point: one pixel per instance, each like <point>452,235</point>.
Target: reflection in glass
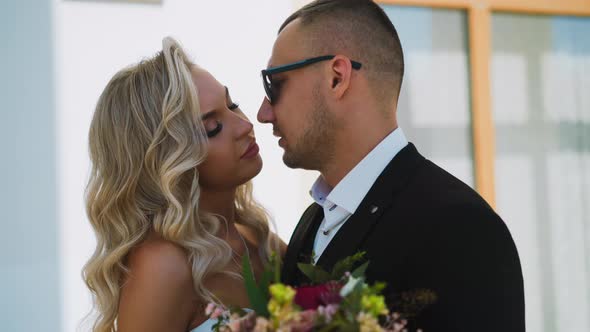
<point>434,107</point>
<point>541,100</point>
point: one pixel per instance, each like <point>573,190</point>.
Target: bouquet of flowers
<point>336,301</point>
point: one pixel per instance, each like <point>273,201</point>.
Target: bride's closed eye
<point>214,126</point>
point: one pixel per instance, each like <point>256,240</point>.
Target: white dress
<point>207,326</point>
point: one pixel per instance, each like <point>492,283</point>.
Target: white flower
<point>350,285</point>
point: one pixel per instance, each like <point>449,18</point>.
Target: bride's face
<point>232,157</point>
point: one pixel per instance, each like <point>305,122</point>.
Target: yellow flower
<point>374,305</point>
<point>282,294</point>
<point>279,311</point>
<point>273,308</point>
<point>283,310</point>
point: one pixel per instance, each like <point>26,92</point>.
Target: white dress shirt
<point>340,202</point>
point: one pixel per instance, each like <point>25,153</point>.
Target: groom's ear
<point>339,74</point>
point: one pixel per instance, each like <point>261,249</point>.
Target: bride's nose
<point>244,127</point>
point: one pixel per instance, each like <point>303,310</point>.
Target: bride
<point>170,198</point>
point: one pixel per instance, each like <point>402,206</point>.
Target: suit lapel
<point>310,218</point>
<point>378,200</point>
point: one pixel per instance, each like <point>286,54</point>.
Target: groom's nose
<point>265,113</point>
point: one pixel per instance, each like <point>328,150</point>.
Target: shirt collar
<point>350,191</point>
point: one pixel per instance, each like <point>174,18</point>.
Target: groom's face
<point>297,113</point>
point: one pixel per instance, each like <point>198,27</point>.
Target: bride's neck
<point>220,203</point>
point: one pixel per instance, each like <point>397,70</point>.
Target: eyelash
<point>212,133</point>
<point>233,106</point>
<point>215,131</point>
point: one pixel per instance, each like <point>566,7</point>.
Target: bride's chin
<point>257,171</point>
<point>257,166</point>
<point>253,172</point>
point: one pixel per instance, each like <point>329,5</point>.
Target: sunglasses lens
<point>266,82</point>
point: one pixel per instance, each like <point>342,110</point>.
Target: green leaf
<point>360,271</point>
<point>274,265</point>
<point>218,325</point>
<point>377,288</point>
<point>255,295</point>
<point>344,326</point>
<point>340,326</point>
<point>346,265</point>
<point>316,274</point>
<point>352,302</point>
<point>264,284</point>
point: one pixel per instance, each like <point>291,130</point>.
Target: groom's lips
<point>278,134</point>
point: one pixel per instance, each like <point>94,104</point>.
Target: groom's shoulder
<point>435,183</point>
<point>432,191</point>
<point>435,201</point>
<point>416,177</point>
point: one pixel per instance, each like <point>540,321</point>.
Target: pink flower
<point>234,325</point>
<point>216,313</point>
<point>328,311</point>
<point>262,325</point>
<point>209,309</point>
<point>305,323</point>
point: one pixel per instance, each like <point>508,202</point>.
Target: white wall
<point>93,40</point>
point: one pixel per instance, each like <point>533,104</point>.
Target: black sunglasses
<point>272,92</point>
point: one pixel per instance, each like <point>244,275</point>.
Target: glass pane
<point>434,107</point>
<point>541,97</point>
<point>30,264</point>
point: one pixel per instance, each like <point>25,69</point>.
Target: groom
<point>332,87</point>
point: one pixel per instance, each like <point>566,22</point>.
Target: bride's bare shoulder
<point>158,277</point>
<point>157,256</point>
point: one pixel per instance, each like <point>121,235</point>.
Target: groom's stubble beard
<point>315,147</point>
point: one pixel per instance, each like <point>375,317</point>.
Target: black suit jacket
<point>423,228</point>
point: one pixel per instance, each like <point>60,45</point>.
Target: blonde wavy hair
<point>146,140</point>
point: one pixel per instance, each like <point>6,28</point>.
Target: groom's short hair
<point>359,29</point>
